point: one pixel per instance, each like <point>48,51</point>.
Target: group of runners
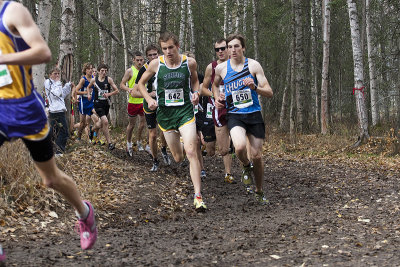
<point>226,102</point>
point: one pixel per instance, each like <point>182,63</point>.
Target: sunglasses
<point>217,49</point>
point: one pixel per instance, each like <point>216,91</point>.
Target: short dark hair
<point>236,36</point>
<point>152,47</point>
<point>102,66</point>
<point>218,41</point>
<point>166,36</point>
<point>137,54</point>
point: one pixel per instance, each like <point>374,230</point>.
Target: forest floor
<point>329,206</point>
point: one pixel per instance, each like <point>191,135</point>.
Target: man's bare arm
<point>113,86</point>
<point>20,22</point>
<point>150,71</point>
<point>127,76</point>
<point>263,88</point>
<point>206,82</point>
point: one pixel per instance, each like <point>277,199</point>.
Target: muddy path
<point>320,214</point>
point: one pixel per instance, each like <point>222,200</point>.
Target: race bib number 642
<point>174,97</point>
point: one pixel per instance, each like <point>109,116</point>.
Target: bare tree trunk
<point>325,67</point>
<point>358,72</point>
<point>314,66</point>
<point>255,29</point>
<point>286,93</point>
<point>182,26</point>
<point>245,4</point>
<point>191,25</point>
<point>225,18</point>
<point>66,54</point>
<point>43,20</point>
<point>371,63</point>
<point>121,20</point>
<point>238,15</point>
<point>292,123</point>
<point>300,64</point>
<point>164,7</point>
<point>103,41</point>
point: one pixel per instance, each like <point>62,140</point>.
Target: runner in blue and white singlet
<point>244,80</point>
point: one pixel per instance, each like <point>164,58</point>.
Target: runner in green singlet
<point>176,77</point>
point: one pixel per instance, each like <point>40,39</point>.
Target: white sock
<point>129,144</point>
<point>85,214</point>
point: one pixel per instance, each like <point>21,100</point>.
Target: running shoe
<point>229,179</point>
<point>2,255</point>
<point>203,174</point>
<point>101,142</point>
<point>129,151</point>
<point>147,149</point>
<point>167,160</point>
<point>199,205</point>
<point>155,166</point>
<point>94,140</point>
<point>261,198</point>
<point>87,228</point>
<point>139,146</point>
<point>111,146</point>
<point>246,175</point>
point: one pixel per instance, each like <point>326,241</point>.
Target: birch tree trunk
<point>225,18</point>
<point>43,20</point>
<point>164,11</point>
<point>238,16</point>
<point>104,57</point>
<point>245,4</point>
<point>182,26</point>
<point>122,22</point>
<point>191,25</point>
<point>325,67</point>
<point>113,60</point>
<point>358,72</point>
<point>283,123</point>
<point>67,41</point>
<point>371,63</point>
<point>255,30</point>
<point>300,64</point>
<point>314,65</point>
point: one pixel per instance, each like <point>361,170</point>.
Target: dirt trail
<point>320,214</point>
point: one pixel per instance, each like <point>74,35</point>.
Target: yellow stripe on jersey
<point>39,136</point>
<point>21,75</point>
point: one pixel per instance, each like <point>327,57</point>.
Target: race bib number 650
<point>242,98</point>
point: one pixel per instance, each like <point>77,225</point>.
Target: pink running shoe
<point>2,255</point>
<point>88,229</point>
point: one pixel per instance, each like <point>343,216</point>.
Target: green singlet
<point>173,87</point>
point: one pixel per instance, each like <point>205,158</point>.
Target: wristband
<point>255,87</point>
<point>195,92</point>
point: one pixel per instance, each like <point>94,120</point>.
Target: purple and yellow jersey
<point>21,75</point>
<point>22,113</point>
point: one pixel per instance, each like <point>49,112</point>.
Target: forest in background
<point>312,55</point>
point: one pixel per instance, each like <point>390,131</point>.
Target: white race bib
<point>174,97</point>
<point>242,98</point>
<point>209,111</point>
<point>196,109</point>
<point>101,94</point>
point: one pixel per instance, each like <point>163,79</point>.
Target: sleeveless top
<point>240,98</point>
<point>173,84</point>
<point>84,98</point>
<point>131,83</point>
<point>150,87</point>
<point>15,80</point>
<point>101,88</point>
